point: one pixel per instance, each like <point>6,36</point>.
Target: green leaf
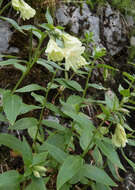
<point>52,85</point>
<point>66,186</point>
<point>32,132</point>
<point>31,87</point>
<point>69,168</point>
<point>36,184</point>
<point>2,118</point>
<point>49,64</point>
<point>39,158</point>
<point>74,99</point>
<point>1,1</point>
<point>85,137</point>
<point>10,180</point>
<point>26,108</point>
<point>53,64</point>
<point>98,175</point>
<point>71,84</point>
<point>28,27</point>
<point>17,145</point>
<point>38,98</point>
<point>125,92</point>
<point>112,101</point>
<point>44,64</point>
<point>54,151</point>
<point>12,106</point>
<point>106,67</point>
<point>20,67</point>
<point>13,23</point>
<point>97,86</point>
<point>53,124</point>
<point>109,151</point>
<point>57,139</point>
<point>97,157</point>
<point>53,108</point>
<point>113,170</point>
<point>130,77</point>
<point>80,118</point>
<point>24,123</point>
<point>49,17</point>
<point>26,153</point>
<point>132,164</point>
<point>9,62</point>
<point>131,142</point>
<point>99,186</point>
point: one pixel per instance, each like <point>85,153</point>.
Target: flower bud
<point>36,174</point>
<point>40,168</point>
<point>119,138</point>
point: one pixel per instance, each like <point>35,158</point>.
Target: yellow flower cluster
<point>26,12</point>
<point>71,51</point>
<point>119,138</point>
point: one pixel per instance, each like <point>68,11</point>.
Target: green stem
<point>5,7</point>
<point>63,90</point>
<point>29,65</point>
<point>44,104</point>
<point>87,149</point>
<point>21,79</point>
<point>87,81</point>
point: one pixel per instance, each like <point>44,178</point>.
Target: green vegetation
<point>53,153</point>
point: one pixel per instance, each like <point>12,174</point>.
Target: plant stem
<point>87,81</point>
<point>87,149</point>
<point>44,104</point>
<point>6,6</point>
<point>21,79</point>
<point>30,64</point>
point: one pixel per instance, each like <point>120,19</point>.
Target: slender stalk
<point>87,149</point>
<point>5,7</point>
<point>21,79</point>
<point>87,81</point>
<point>30,64</point>
<point>44,104</point>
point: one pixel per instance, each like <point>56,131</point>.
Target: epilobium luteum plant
<point>54,154</point>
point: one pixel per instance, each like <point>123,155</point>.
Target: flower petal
<point>26,12</point>
<point>54,52</point>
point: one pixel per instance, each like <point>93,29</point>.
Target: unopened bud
<point>40,168</point>
<point>36,174</point>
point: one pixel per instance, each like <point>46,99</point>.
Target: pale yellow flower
<point>71,41</point>
<point>119,138</point>
<point>54,52</point>
<point>73,58</point>
<point>26,12</point>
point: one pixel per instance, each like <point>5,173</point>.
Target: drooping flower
<point>55,53</point>
<point>26,12</point>
<point>119,138</point>
<point>73,50</point>
<point>74,59</point>
<point>71,41</point>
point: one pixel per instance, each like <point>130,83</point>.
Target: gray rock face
<point>107,26</point>
<point>113,30</point>
<point>5,36</point>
